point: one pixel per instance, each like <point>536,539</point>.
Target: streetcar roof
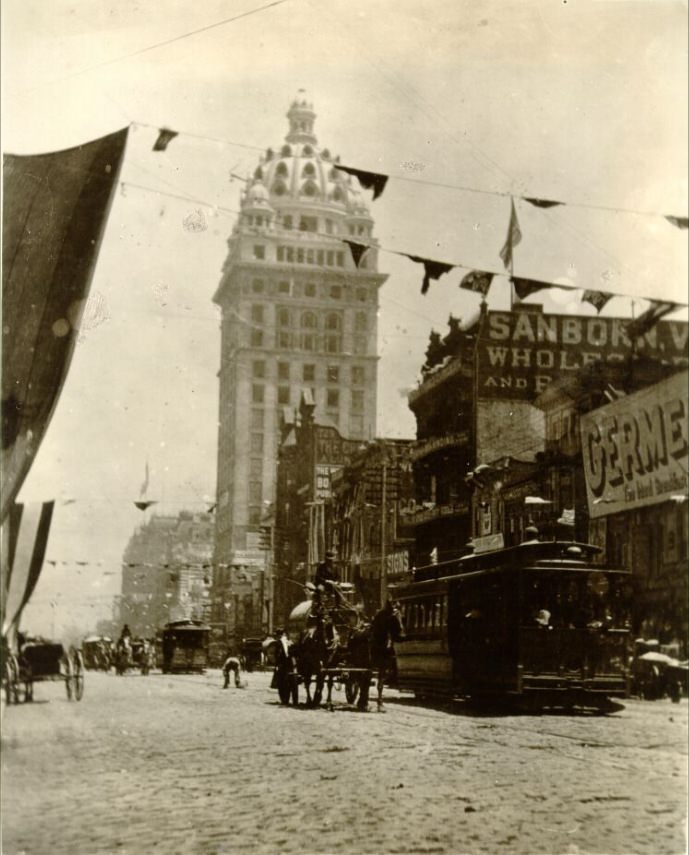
<point>534,556</point>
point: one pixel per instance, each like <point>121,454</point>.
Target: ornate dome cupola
<point>301,118</point>
<point>255,205</point>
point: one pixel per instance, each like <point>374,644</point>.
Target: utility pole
<point>383,532</point>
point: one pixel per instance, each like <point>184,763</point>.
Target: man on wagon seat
<point>325,573</point>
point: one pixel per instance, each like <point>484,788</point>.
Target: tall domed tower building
<point>296,314</point>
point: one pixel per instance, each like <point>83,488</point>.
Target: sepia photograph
<point>345,427</point>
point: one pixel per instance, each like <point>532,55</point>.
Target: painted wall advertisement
<point>520,353</point>
<point>635,449</point>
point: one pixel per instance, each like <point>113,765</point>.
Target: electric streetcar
<point>540,623</point>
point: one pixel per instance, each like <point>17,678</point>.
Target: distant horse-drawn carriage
<point>39,660</point>
<point>97,652</point>
<point>329,643</point>
<point>132,653</point>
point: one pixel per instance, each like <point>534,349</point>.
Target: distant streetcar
<point>539,623</point>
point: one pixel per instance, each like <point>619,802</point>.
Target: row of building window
<point>286,317</point>
<point>307,289</point>
<point>333,373</point>
<point>258,392</point>
<point>308,342</point>
<point>321,257</point>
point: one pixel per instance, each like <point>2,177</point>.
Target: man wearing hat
<point>326,578</point>
<point>325,572</point>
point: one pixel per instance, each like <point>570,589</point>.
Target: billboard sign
<point>520,353</point>
<point>635,449</point>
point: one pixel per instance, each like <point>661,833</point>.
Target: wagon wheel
<point>351,688</point>
<point>78,675</point>
<point>66,672</point>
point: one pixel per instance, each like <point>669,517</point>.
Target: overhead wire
<point>156,45</point>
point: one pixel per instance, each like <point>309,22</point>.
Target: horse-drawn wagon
<point>97,652</point>
<point>328,641</point>
<point>39,660</point>
<point>134,653</point>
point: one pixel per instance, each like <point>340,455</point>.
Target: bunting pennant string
<point>381,179</point>
<point>357,250</point>
<point>478,281</point>
<point>165,137</point>
<point>514,232</point>
<point>432,269</point>
<point>597,299</point>
<point>369,180</point>
<point>638,327</point>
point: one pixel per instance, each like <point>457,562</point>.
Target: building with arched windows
<point>297,313</point>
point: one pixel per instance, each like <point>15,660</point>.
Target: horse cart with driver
<point>97,652</point>
<point>329,642</point>
<point>39,660</point>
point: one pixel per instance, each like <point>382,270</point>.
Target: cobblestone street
<point>176,764</point>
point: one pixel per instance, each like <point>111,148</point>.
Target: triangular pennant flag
<point>541,203</point>
<point>143,505</point>
<point>165,137</point>
<point>357,249</point>
<point>646,321</point>
<point>514,236</point>
<point>477,281</point>
<point>680,222</point>
<point>369,180</point>
<point>211,508</point>
<point>524,287</point>
<point>432,269</point>
<point>597,299</point>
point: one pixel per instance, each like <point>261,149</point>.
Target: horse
<point>313,652</point>
<point>369,648</point>
<point>123,655</point>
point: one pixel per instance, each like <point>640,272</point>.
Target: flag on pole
<point>514,236</point>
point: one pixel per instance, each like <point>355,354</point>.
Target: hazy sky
<point>584,102</point>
